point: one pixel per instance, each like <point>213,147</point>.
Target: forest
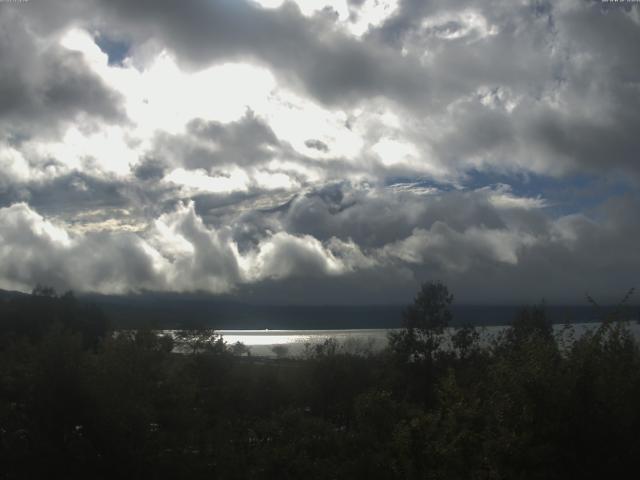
<point>80,400</point>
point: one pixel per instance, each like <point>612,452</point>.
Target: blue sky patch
<point>116,50</point>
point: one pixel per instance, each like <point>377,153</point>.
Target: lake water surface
<point>262,342</point>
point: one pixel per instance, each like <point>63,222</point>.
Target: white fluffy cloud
<point>178,251</point>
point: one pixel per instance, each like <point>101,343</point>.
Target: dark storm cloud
<point>308,53</point>
<point>524,258</point>
<point>378,286</point>
<point>149,169</point>
<point>90,202</point>
<point>375,217</point>
<point>405,19</point>
<point>551,89</point>
<point>317,145</point>
<point>210,145</point>
<point>77,191</point>
<point>247,141</point>
<point>578,256</point>
<point>42,87</point>
<point>514,263</point>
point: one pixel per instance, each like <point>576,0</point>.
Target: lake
<point>261,342</point>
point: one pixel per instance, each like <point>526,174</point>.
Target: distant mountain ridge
<point>172,310</point>
<point>5,294</point>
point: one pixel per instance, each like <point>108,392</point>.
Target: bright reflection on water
<point>261,342</point>
<point>279,337</point>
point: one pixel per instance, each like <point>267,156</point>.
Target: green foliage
<point>74,404</point>
<point>32,316</point>
<point>430,309</point>
<point>530,321</point>
<point>465,341</point>
<point>239,349</point>
<point>198,340</point>
<point>281,351</point>
<point>424,322</point>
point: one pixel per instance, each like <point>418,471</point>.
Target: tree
<point>43,291</point>
<point>199,340</point>
<point>465,340</point>
<point>620,312</point>
<point>239,349</point>
<point>280,351</point>
<point>530,321</point>
<point>424,322</point>
<point>416,345</point>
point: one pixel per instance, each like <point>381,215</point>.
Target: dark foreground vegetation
<point>77,401</point>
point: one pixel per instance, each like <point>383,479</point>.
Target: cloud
<point>347,147</point>
<point>317,145</point>
<point>35,250</point>
<point>304,51</point>
<point>373,217</point>
<point>555,259</point>
<point>542,88</point>
<point>193,256</point>
<point>531,110</point>
<point>545,88</point>
<point>283,255</point>
<point>176,252</point>
<point>212,145</point>
<point>451,250</point>
<point>43,86</point>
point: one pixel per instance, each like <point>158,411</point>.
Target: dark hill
<point>171,310</point>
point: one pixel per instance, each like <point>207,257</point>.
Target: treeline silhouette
<point>78,400</point>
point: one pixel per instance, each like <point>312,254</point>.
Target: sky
<point>321,152</point>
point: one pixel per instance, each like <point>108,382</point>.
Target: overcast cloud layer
<point>336,153</point>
